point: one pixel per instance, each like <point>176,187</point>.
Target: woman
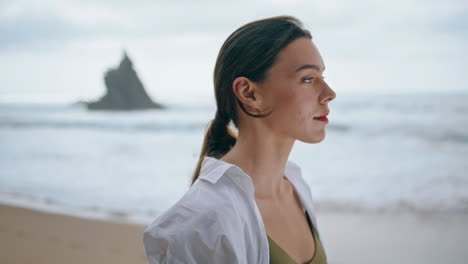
<point>248,203</point>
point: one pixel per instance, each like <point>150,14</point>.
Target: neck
<point>263,157</point>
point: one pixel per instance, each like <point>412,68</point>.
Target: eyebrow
<point>309,66</point>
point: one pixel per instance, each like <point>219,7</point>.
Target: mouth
<point>322,117</point>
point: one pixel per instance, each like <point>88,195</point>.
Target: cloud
<point>27,23</point>
<point>367,45</point>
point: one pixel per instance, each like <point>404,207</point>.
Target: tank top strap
<point>312,227</point>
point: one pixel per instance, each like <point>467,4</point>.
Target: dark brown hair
<point>249,52</point>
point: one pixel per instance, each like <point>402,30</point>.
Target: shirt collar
<point>213,169</point>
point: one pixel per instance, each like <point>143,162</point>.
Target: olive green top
<point>278,255</point>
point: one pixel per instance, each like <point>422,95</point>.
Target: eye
<point>308,80</point>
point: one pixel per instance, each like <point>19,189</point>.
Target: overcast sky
<point>59,50</point>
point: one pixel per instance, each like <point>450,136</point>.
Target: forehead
<point>296,54</point>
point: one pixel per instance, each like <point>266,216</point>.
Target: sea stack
<point>124,90</point>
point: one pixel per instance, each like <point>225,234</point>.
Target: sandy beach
<point>29,236</point>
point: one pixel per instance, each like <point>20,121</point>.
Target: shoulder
<point>194,230</point>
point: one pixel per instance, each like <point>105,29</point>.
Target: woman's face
<point>296,91</point>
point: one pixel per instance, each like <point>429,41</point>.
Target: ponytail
<point>219,139</point>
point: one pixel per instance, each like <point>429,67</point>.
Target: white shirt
<point>217,220</point>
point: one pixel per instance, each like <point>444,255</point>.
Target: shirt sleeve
<point>190,242</point>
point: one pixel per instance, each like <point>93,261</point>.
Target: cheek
<point>285,101</point>
<point>303,110</point>
<point>294,108</point>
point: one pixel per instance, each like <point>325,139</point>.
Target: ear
<point>249,94</point>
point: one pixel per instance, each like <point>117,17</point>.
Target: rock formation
<point>124,90</point>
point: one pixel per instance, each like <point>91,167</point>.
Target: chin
<point>312,140</point>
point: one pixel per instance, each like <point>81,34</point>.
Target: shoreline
<point>49,205</point>
<point>144,217</point>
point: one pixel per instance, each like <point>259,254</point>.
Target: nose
<point>328,94</point>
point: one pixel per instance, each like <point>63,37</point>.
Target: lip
<point>322,117</point>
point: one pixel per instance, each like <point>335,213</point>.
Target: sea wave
<point>98,125</point>
<point>151,126</point>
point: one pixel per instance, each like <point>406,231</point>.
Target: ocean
<point>381,152</point>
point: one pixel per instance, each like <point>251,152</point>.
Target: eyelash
<point>311,78</point>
